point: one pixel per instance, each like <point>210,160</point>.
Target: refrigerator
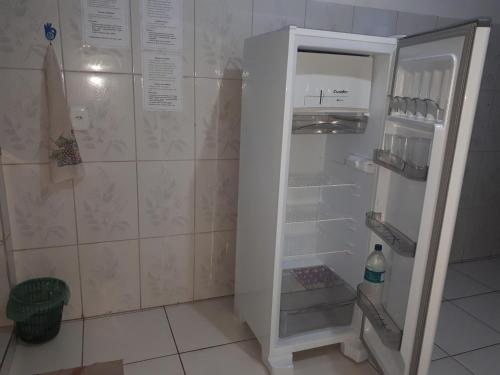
<point>348,141</point>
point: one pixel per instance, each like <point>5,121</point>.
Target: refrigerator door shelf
<point>398,241</point>
<point>329,123</point>
<point>396,164</point>
<point>388,332</point>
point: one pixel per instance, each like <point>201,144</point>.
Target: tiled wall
<point>477,232</point>
<point>153,221</point>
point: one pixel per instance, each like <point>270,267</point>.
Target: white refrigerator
<point>347,141</point>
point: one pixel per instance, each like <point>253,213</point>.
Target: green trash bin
<point>36,307</point>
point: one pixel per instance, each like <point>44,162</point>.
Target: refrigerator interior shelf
<point>388,332</point>
<point>398,165</point>
<point>313,298</point>
<point>314,181</point>
<point>397,240</point>
<point>329,123</point>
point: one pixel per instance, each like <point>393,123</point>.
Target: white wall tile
<point>221,28</point>
<point>106,202</point>
<point>214,264</point>
<point>165,135</point>
<point>371,21</point>
<point>41,213</point>
<point>22,36</point>
<point>216,195</point>
<point>187,37</point>
<point>23,130</point>
<point>166,197</point>
<point>270,15</point>
<point>110,277</point>
<point>489,179</point>
<point>410,23</point>
<point>468,197</point>
<point>58,262</point>
<point>4,287</point>
<point>491,70</point>
<point>80,56</point>
<point>218,118</point>
<point>166,270</point>
<point>109,101</point>
<point>328,16</point>
<point>481,132</point>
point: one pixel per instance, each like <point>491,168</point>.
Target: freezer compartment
<point>329,123</point>
<point>313,298</point>
<point>387,330</point>
<point>397,240</point>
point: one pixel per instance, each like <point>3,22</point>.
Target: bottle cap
<point>378,247</point>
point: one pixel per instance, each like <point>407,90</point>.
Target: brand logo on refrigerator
<point>335,91</point>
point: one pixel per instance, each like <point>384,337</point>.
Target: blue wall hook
<point>50,31</point>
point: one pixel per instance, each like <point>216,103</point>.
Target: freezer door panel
<point>421,166</point>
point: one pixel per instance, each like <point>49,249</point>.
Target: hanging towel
<point>64,155</point>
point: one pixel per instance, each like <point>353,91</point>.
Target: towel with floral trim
<point>64,154</point>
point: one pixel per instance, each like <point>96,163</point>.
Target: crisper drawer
<point>314,298</point>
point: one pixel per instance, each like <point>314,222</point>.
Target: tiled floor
<point>205,338</point>
<point>468,336</point>
<point>202,338</point>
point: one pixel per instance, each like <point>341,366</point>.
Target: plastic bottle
<point>373,281</point>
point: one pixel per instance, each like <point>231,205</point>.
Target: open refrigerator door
<point>421,165</point>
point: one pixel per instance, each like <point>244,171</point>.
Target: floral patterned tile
<point>109,101</point>
<point>59,262</point>
<point>106,202</point>
<point>110,277</point>
<point>22,37</point>
<point>166,197</point>
<point>218,118</point>
<point>165,135</point>
<point>216,195</point>
<point>221,28</point>
<point>214,264</point>
<point>41,213</point>
<point>82,57</point>
<point>187,37</point>
<point>166,270</point>
<point>23,117</point>
<point>270,15</point>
